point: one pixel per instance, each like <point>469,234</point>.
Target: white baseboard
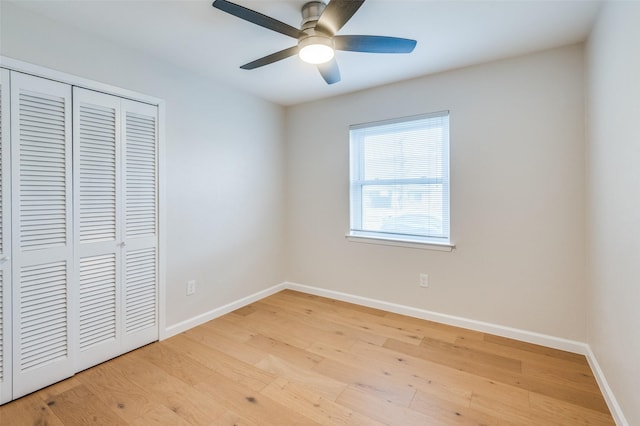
<point>612,402</point>
<point>484,327</point>
<point>185,325</point>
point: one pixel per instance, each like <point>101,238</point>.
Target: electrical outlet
<point>424,280</point>
<point>191,287</point>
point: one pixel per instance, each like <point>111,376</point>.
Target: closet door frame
<point>74,80</point>
<point>6,374</point>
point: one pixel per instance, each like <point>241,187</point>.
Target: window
<point>400,179</point>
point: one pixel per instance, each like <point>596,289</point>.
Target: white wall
<point>517,190</point>
<point>613,202</point>
<point>224,176</point>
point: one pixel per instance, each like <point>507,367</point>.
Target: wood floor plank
<point>556,412</point>
<point>222,363</point>
<point>364,379</point>
<point>173,362</point>
<point>452,355</point>
<point>540,365</point>
<point>314,406</point>
<point>430,378</point>
<point>124,397</point>
<point>448,413</point>
<point>227,326</point>
<point>502,408</point>
<point>586,399</point>
<point>482,380</point>
<point>430,372</point>
<point>370,322</point>
<point>78,406</point>
<point>270,325</point>
<point>254,406</point>
<point>283,350</point>
<point>332,302</point>
<point>527,356</point>
<point>555,353</point>
<point>158,415</point>
<point>426,372</point>
<point>434,330</point>
<point>28,410</point>
<point>571,378</point>
<point>382,410</point>
<point>331,333</point>
<point>58,388</point>
<point>228,346</point>
<point>244,311</point>
<point>231,418</point>
<point>316,319</point>
<point>300,359</point>
<point>326,386</point>
<point>192,406</point>
<point>324,328</point>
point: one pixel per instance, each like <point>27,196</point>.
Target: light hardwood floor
<point>294,358</point>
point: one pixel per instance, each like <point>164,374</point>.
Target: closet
<point>79,229</point>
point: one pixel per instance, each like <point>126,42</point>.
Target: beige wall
<point>613,203</point>
<point>224,177</point>
<point>517,195</point>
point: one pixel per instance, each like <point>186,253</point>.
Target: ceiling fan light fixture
<point>317,39</point>
<point>316,49</point>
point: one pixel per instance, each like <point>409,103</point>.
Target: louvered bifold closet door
<point>97,233</point>
<point>41,232</point>
<point>5,242</point>
<point>140,153</point>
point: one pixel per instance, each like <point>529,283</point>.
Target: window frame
<point>357,183</point>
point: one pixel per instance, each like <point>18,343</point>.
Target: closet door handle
<point>4,259</point>
<point>122,244</point>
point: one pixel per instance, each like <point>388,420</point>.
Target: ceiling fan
<point>317,39</point>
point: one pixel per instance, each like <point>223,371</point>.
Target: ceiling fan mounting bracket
<point>311,12</point>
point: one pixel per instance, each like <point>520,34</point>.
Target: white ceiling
<point>450,34</point>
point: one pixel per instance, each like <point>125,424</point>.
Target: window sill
<point>424,245</point>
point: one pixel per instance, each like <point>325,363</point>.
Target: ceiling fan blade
<point>374,44</point>
<point>274,57</point>
<point>336,14</point>
<point>330,71</point>
<point>257,18</point>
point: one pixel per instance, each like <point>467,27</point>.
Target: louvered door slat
<point>141,191</point>
<point>140,289</point>
<point>42,117</point>
<point>97,147</point>
<point>43,327</point>
<point>97,300</point>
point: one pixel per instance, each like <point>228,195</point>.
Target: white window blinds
<point>400,179</point>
